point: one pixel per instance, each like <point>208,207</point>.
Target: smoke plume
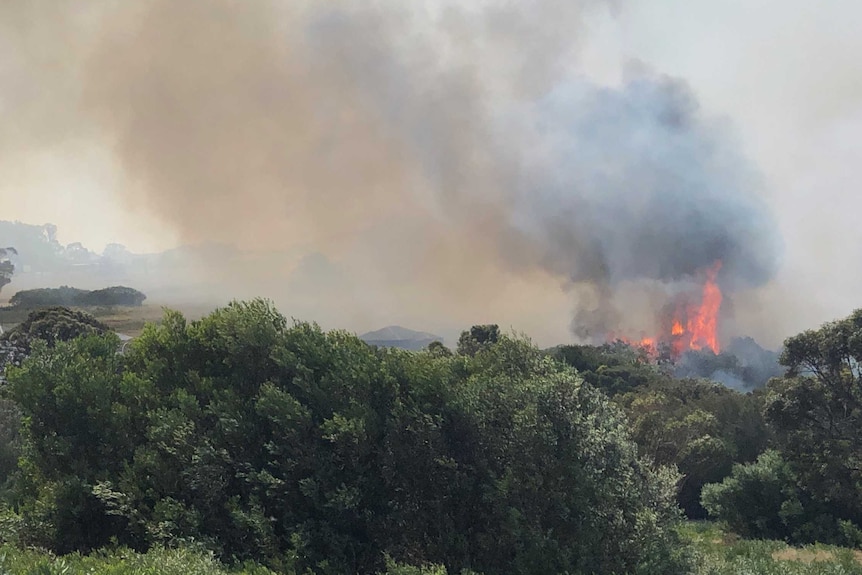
<point>413,154</point>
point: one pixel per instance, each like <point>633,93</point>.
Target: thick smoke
<point>433,152</point>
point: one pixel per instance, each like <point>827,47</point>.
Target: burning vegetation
<point>689,322</point>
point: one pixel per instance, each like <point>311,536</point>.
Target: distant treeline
<point>69,296</point>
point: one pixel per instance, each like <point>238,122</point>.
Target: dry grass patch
<point>803,555</point>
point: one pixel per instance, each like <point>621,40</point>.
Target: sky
<point>780,78</point>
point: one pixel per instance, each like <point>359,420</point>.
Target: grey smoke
<point>743,365</point>
<point>429,149</point>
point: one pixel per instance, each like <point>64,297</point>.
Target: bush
<point>51,325</point>
<point>754,500</point>
<point>61,296</point>
<point>159,561</point>
<point>118,295</point>
<point>68,296</point>
<point>318,452</point>
<point>763,500</point>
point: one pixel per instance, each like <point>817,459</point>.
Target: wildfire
<point>702,321</point>
<point>694,324</point>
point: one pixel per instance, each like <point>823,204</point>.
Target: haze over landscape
<point>564,169</point>
<point>427,287</point>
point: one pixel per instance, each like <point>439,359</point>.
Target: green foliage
<point>721,553</point>
<point>69,296</point>
<point>614,368</point>
<point>48,326</point>
<point>7,268</point>
<point>158,561</point>
<point>816,416</point>
<point>477,337</point>
<point>52,325</point>
<point>314,451</point>
<point>758,500</point>
<point>700,427</point>
<point>41,297</point>
<point>437,349</point>
<point>111,296</point>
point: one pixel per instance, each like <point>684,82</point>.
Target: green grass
<point>720,553</point>
<point>14,561</point>
<point>716,553</point>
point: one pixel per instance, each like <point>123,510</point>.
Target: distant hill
<point>400,337</point>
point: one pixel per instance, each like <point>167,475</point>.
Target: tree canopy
<point>815,414</point>
<point>261,438</point>
<point>7,268</point>
<point>70,296</point>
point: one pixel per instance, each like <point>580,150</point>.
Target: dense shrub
<point>763,500</point>
<point>699,426</point>
<point>117,295</point>
<point>51,325</point>
<point>41,297</point>
<point>811,490</point>
<point>68,296</point>
<point>315,451</point>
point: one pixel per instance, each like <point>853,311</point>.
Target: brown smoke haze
<point>393,162</point>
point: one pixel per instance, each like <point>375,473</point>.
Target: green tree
<point>7,268</point>
<point>52,325</point>
<point>437,348</point>
<point>757,500</point>
<point>816,413</point>
<point>477,337</point>
<point>75,433</point>
<point>614,368</point>
<point>700,427</point>
<point>318,452</point>
<point>810,489</point>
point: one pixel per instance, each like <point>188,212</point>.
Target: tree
<point>758,500</point>
<point>321,453</point>
<point>116,295</point>
<point>700,427</point>
<point>810,489</point>
<point>478,337</point>
<point>436,348</point>
<point>52,325</point>
<point>7,268</point>
<point>614,368</point>
<point>816,413</point>
<point>69,296</point>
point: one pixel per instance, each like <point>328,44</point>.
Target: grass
<point>721,553</point>
<point>125,320</point>
<point>14,561</point>
<point>716,553</point>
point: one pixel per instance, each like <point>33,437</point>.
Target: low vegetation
<point>158,561</point>
<point>718,552</point>
<point>74,297</point>
<point>242,442</point>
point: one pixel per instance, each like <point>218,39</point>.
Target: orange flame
<point>701,323</point>
<point>693,327</point>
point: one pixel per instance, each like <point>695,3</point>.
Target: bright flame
<point>695,326</point>
<point>703,320</point>
<point>700,325</point>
